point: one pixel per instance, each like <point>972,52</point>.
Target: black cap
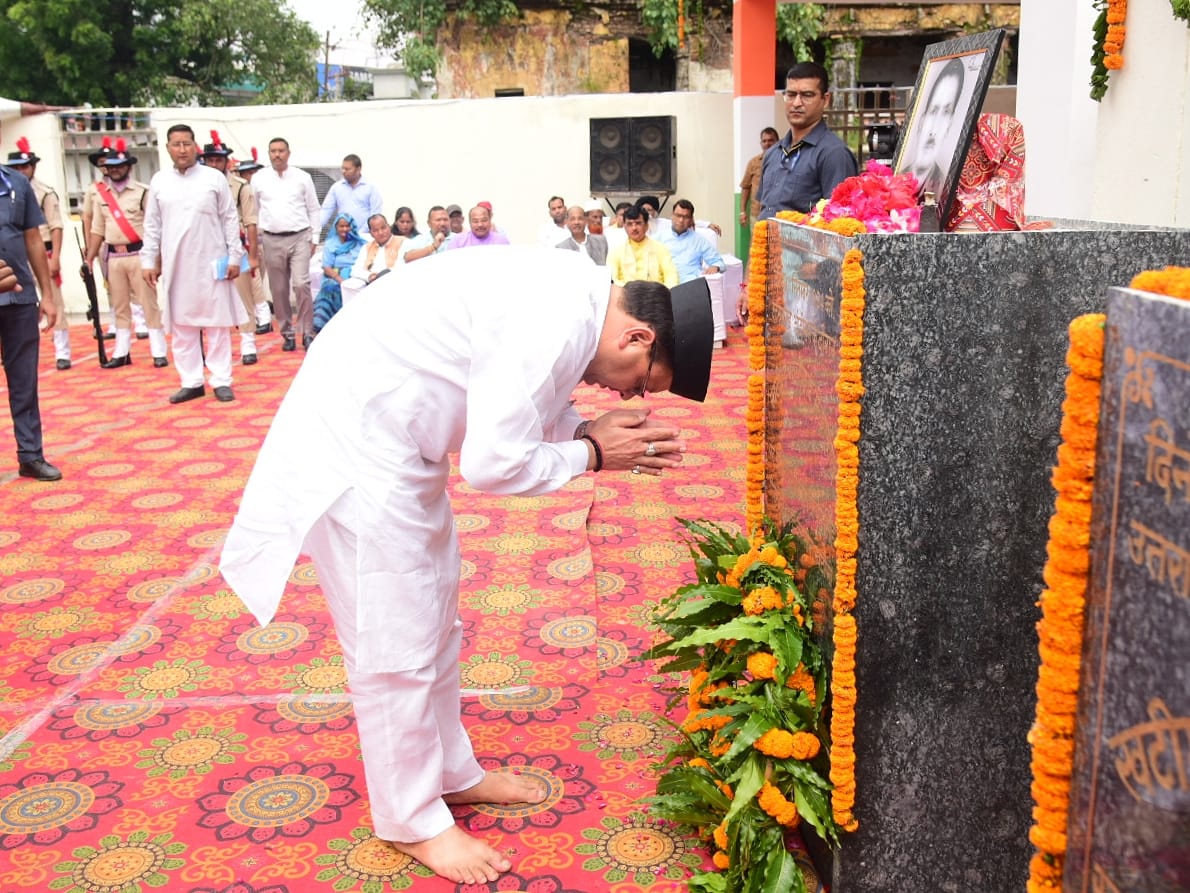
<point>23,154</point>
<point>694,339</point>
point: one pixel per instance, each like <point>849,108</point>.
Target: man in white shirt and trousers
<point>287,220</point>
<point>486,368</point>
<point>192,236</point>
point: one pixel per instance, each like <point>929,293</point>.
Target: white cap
<point>594,205</point>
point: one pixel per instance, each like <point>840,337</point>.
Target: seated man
<point>481,232</point>
<point>693,255</point>
<point>589,245</point>
<point>640,257</point>
<point>377,257</point>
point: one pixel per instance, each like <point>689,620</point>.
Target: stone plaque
<point>1129,825</point>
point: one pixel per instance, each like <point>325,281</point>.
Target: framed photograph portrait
<point>943,112</point>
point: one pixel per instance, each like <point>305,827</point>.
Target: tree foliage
<point>142,52</point>
<point>412,26</point>
<point>799,24</point>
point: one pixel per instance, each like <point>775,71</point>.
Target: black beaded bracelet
<point>598,451</point>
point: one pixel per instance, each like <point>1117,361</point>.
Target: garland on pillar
<point>1060,630</point>
<point>850,389</point>
<point>1107,51</point>
<point>758,270</point>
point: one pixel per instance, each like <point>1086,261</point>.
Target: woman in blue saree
<point>342,247</point>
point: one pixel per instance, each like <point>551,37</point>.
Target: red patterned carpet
<point>154,738</point>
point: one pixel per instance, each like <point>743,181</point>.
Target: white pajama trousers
<point>414,746</point>
<point>188,355</point>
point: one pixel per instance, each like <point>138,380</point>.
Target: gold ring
<point>636,469</point>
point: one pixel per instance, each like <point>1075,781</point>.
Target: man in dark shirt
<point>810,161</point>
<point>21,249</point>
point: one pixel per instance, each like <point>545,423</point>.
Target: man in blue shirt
<point>693,255</point>
<point>810,161</point>
<point>353,196</point>
<point>22,249</point>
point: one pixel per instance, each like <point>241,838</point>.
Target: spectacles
<point>644,387</point>
<point>804,95</point>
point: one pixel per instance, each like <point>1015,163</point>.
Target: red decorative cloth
<point>991,191</point>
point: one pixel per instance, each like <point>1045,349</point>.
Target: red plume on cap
<point>23,145</point>
<point>215,139</point>
<point>121,146</point>
<point>107,142</point>
<point>254,157</point>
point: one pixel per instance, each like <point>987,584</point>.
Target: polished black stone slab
<point>1130,800</point>
<point>965,339</point>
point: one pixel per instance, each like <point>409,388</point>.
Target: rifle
<point>92,300</point>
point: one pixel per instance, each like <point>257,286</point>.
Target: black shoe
<point>141,336</point>
<point>248,359</point>
<point>289,344</point>
<point>117,362</point>
<point>63,365</point>
<point>185,394</point>
<point>224,395</point>
<point>109,336</point>
<point>264,329</point>
<point>160,362</point>
<point>307,340</point>
<point>40,470</point>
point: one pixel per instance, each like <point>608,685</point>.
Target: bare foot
<point>457,856</point>
<point>500,787</point>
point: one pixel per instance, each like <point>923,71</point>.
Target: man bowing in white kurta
<point>485,367</point>
<point>192,239</point>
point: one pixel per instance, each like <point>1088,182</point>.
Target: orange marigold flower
<point>720,835</point>
<point>772,801</point>
<point>762,665</point>
<point>805,746</point>
<point>776,743</point>
<point>722,861</point>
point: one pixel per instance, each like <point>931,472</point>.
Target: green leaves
<point>152,52</point>
<point>414,26</point>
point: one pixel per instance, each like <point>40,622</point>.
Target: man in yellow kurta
<point>641,257</point>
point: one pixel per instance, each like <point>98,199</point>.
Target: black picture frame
<point>942,115</point>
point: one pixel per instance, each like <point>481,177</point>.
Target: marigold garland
<point>758,266</point>
<point>1108,47</point>
<point>1060,630</point>
<point>1171,281</point>
<point>850,390</point>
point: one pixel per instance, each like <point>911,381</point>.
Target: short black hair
<point>771,130</point>
<point>636,212</point>
<point>650,200</point>
<point>373,217</point>
<point>803,70</point>
<point>650,302</point>
<point>279,139</point>
<point>685,203</point>
<point>623,205</point>
<point>179,128</point>
<point>354,159</point>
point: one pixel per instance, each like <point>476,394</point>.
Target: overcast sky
<point>350,41</point>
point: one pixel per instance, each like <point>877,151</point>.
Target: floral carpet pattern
<point>154,737</point>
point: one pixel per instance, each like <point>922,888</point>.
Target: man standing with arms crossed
<point>192,235</point>
<point>287,216</point>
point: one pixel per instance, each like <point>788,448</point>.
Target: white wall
<point>1054,105</point>
<point>1127,158</point>
<point>1142,142</point>
<point>514,152</point>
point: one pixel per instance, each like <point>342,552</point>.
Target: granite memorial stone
<point>964,347</point>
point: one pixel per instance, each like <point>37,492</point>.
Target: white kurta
<point>469,351</point>
<point>191,222</point>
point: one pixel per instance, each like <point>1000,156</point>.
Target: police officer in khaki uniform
<point>249,286</point>
<point>118,219</point>
<point>260,291</point>
<point>25,161</point>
